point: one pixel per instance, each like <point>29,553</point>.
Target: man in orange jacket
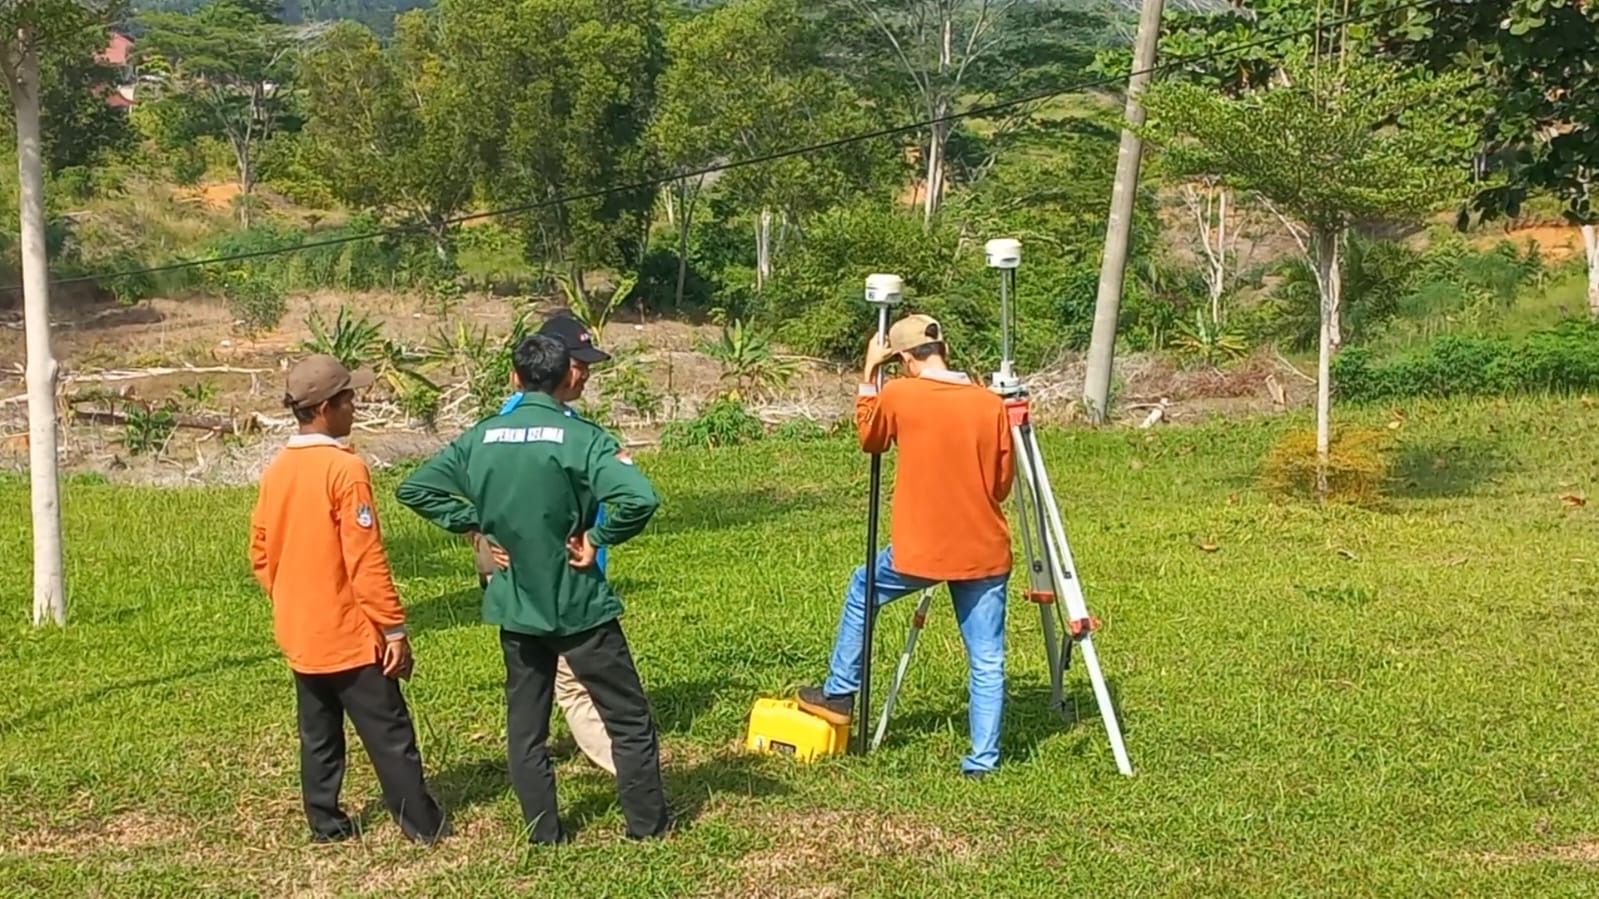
<point>955,469</point>
<point>317,551</point>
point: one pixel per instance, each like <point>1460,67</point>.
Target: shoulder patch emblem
<point>363,515</point>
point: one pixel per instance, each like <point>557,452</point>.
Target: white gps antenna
<point>883,291</point>
<point>1005,254</point>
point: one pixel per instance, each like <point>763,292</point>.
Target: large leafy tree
<point>561,94</point>
<point>1332,142</point>
<point>388,127</point>
<point>231,62</point>
<point>80,126</point>
<point>929,59</point>
<point>745,79</point>
<point>1542,134</point>
<point>1540,114</point>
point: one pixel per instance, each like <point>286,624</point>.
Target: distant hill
<point>376,14</point>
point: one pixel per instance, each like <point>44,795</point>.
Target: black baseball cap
<point>575,336</point>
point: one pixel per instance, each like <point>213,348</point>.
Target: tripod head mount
<point>1004,254</point>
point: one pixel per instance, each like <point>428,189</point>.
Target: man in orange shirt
<point>947,522</point>
<point>317,551</point>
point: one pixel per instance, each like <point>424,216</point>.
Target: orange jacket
<point>954,471</point>
<point>317,551</point>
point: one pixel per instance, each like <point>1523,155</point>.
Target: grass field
<point>1388,702</point>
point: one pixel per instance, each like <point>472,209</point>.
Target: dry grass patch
<point>1583,852</point>
<point>807,847</point>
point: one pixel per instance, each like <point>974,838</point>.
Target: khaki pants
<point>581,716</point>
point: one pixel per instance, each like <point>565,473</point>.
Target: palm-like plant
<point>1209,341</point>
<point>748,361</point>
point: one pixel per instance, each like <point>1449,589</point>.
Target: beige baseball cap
<point>913,331</point>
<point>319,378</point>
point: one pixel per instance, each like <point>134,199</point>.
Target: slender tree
<point>1334,142</point>
<point>745,79</point>
<point>234,61</point>
<point>27,29</point>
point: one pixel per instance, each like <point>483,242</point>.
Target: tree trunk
<point>1118,229</point>
<point>1219,279</point>
<point>49,581</point>
<point>1326,252</point>
<point>441,239</point>
<point>1590,239</point>
<point>763,249</point>
<point>246,182</point>
<point>682,242</point>
<point>937,139</point>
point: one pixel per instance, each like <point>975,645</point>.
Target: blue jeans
<point>980,611</point>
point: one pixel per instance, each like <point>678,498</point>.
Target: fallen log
<point>213,423</point>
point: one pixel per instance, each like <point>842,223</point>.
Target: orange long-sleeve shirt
<point>954,471</point>
<point>317,551</point>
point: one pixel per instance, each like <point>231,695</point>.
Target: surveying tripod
<point>1051,573</point>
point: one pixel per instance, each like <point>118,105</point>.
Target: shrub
<point>1358,466</point>
<point>257,302</point>
<point>1557,360</point>
<point>722,423</point>
<point>800,430</point>
<point>361,263</point>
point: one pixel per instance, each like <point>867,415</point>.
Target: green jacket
<point>530,480</point>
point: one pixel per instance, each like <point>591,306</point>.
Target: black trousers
<point>603,664</point>
<point>382,720</point>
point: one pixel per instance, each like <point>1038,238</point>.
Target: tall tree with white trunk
<point>938,55</point>
<point>27,27</point>
<point>1335,142</point>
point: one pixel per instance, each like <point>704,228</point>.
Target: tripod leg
<point>1106,708</point>
<point>1076,606</point>
<point>918,620</point>
<point>1029,516</point>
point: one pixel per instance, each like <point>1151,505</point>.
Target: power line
<point>742,163</point>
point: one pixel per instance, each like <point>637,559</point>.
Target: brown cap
<point>913,331</point>
<point>319,378</point>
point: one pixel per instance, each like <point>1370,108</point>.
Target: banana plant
<point>594,313</point>
<point>748,361</point>
<point>1209,341</point>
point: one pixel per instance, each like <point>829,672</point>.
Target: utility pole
<point>1113,269</point>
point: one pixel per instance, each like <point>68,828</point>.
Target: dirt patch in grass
<point>810,848</point>
<point>126,831</point>
<point>1582,852</point>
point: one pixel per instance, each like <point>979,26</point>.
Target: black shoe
<point>445,829</point>
<point>834,709</point>
<point>339,835</point>
<point>975,775</point>
<point>566,836</point>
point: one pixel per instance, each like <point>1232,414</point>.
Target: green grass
<point>1386,702</point>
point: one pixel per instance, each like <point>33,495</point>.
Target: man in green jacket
<point>533,480</point>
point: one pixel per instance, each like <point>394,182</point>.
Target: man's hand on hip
<point>581,551</point>
<point>397,658</point>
